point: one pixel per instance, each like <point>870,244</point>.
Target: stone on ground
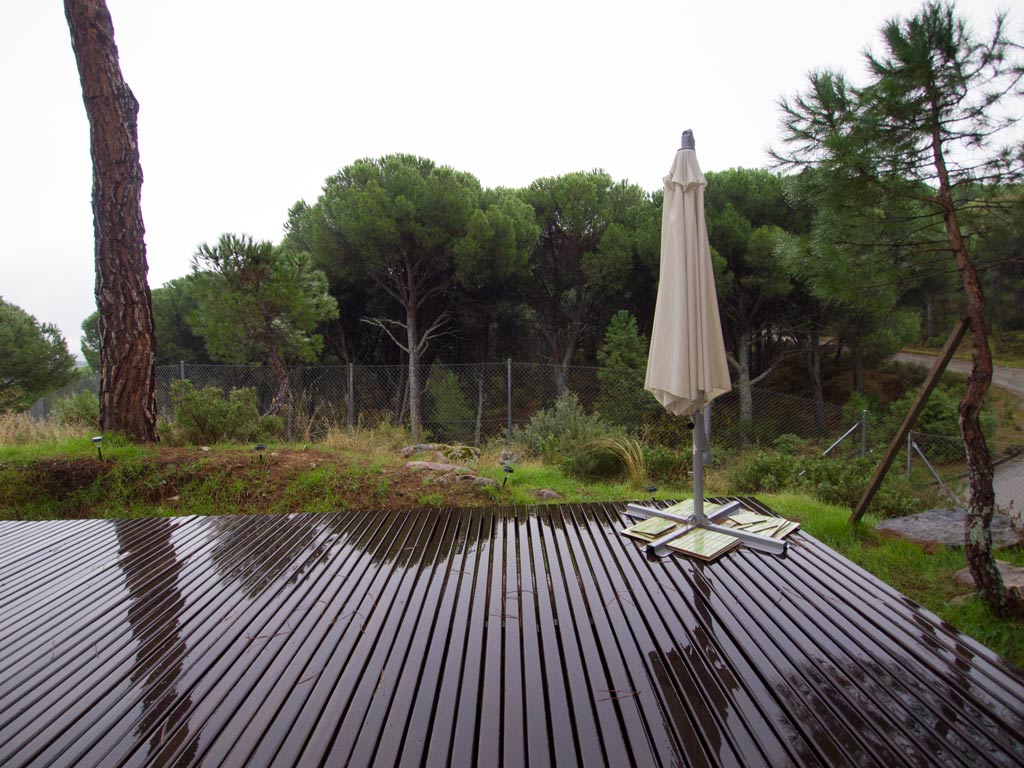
<point>1013,576</point>
<point>946,526</point>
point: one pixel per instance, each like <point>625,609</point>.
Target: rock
<point>508,456</point>
<point>1013,575</point>
<point>409,450</point>
<point>486,481</point>
<point>546,494</point>
<point>946,526</point>
<point>434,466</point>
<point>460,453</point>
<point>453,477</point>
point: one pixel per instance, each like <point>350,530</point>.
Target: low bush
<point>384,437</point>
<point>205,416</point>
<point>564,429</point>
<point>765,472</point>
<point>831,480</point>
<point>665,465</point>
<point>81,410</point>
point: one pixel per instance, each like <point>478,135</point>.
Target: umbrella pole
<point>698,467</point>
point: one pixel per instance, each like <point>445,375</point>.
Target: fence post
<point>863,433</point>
<point>181,369</point>
<point>509,378</point>
<point>910,452</point>
<point>351,398</point>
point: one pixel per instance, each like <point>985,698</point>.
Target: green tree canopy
<point>591,234</point>
<point>34,358</point>
<point>397,222</point>
<point>258,302</point>
<point>747,210</point>
<point>906,150</point>
<point>174,303</point>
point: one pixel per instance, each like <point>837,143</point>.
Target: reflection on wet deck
<point>526,636</point>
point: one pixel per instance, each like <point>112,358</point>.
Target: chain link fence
<point>940,460</point>
<point>475,403</point>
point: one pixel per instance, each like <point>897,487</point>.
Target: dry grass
<point>626,450</point>
<point>383,438</point>
<point>22,429</point>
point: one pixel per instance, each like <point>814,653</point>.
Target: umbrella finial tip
<point>687,140</point>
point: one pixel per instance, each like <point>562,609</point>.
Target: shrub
<point>764,471</point>
<point>81,410</point>
<point>665,465</point>
<point>204,416</point>
<point>622,399</point>
<point>594,464</point>
<point>608,457</point>
<point>832,480</point>
<point>451,412</point>
<point>564,429</point>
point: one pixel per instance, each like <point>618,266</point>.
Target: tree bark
<point>981,506</point>
<point>283,395</point>
<point>415,415</point>
<point>929,315</point>
<point>744,387</point>
<point>812,359</point>
<point>127,337</point>
<point>858,368</point>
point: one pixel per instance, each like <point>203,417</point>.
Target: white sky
<point>247,105</point>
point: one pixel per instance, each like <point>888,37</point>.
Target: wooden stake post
<point>901,435</point>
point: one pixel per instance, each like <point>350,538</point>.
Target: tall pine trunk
<point>127,337</point>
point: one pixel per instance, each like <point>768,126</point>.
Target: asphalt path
<point>1008,481</point>
<point>1008,378</point>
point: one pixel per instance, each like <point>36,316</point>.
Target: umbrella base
<point>659,547</point>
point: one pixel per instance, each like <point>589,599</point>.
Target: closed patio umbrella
<point>686,366</point>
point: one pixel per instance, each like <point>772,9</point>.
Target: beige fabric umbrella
<point>686,367</point>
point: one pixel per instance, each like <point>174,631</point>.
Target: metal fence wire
<point>940,460</point>
<point>473,403</point>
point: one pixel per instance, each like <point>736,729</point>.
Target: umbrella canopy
<point>686,367</point>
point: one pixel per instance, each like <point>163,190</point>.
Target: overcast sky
<point>246,106</point>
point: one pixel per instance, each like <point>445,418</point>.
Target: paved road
<point>1008,378</point>
<point>1009,477</point>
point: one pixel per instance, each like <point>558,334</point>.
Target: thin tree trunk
<point>283,395</point>
<point>415,415</point>
<point>858,368</point>
<point>401,395</point>
<point>479,405</point>
<point>929,315</point>
<point>981,506</point>
<point>745,388</point>
<point>812,359</point>
<point>127,337</point>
